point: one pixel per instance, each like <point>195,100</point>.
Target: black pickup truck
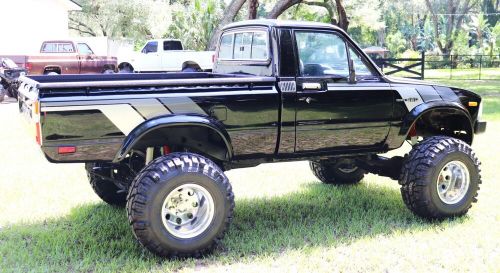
<point>280,91</point>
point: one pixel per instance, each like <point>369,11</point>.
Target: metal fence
<point>454,67</point>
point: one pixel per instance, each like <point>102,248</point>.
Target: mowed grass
<point>285,221</point>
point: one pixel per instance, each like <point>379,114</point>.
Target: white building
<point>26,23</point>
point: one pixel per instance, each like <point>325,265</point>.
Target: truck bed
<point>95,113</point>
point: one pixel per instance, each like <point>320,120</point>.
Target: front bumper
<point>479,127</point>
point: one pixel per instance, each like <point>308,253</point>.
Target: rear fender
<point>166,125</point>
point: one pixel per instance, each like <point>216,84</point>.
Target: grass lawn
<point>285,219</point>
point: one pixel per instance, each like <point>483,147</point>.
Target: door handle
<point>311,86</point>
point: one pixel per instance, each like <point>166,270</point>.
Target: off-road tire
<point>12,92</point>
<point>105,189</point>
<point>419,177</point>
<point>156,181</point>
<point>328,172</point>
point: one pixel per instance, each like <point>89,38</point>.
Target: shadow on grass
<point>98,236</point>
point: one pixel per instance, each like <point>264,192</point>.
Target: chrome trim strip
<point>170,82</point>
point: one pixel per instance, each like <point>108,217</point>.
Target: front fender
<point>424,108</point>
<point>171,121</point>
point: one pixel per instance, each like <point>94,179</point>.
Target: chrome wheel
<point>187,211</point>
<point>453,182</point>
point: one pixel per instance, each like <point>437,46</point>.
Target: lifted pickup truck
<point>65,57</point>
<point>281,91</point>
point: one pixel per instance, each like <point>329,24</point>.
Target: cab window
<point>226,47</point>
<point>172,45</point>
<point>242,46</point>
<point>362,70</point>
<point>150,47</point>
<point>84,49</point>
<point>251,45</point>
<point>322,54</point>
<point>57,47</point>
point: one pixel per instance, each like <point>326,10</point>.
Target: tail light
<point>214,58</point>
<point>66,150</point>
<point>28,67</point>
<point>413,131</point>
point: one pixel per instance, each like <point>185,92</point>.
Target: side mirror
<point>352,72</point>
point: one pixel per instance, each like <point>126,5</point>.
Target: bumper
<point>479,127</point>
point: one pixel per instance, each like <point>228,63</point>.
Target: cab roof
<point>280,23</point>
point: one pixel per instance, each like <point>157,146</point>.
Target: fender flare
<point>165,121</point>
<point>121,63</point>
<point>417,112</point>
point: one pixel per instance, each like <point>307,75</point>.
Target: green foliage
<point>195,23</point>
<point>364,36</point>
<point>396,43</point>
<point>111,18</point>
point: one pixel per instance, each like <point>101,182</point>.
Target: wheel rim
<point>187,211</point>
<point>347,168</point>
<point>453,182</point>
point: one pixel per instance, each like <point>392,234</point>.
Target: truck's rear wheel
<point>180,205</point>
<point>105,189</point>
<point>440,178</point>
<point>338,172</point>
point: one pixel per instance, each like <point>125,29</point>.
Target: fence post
<point>480,65</point>
<point>451,63</point>
<point>423,65</point>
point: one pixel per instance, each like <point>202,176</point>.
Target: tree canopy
<point>441,26</point>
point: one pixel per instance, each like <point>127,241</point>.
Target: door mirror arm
<point>352,72</point>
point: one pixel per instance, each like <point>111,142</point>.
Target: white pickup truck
<point>165,55</point>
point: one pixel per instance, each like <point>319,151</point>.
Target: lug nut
<point>195,204</point>
<point>178,221</point>
<point>190,215</point>
<point>167,216</point>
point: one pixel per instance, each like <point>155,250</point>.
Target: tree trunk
<point>281,7</point>
<point>230,13</point>
<point>252,9</point>
<point>343,21</point>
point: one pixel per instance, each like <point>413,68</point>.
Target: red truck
<point>65,57</point>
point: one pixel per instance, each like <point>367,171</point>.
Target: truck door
<point>87,59</point>
<point>334,111</point>
<point>172,56</point>
<point>150,59</point>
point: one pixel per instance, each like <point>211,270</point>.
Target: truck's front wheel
<point>180,205</point>
<point>440,178</point>
<point>337,172</point>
